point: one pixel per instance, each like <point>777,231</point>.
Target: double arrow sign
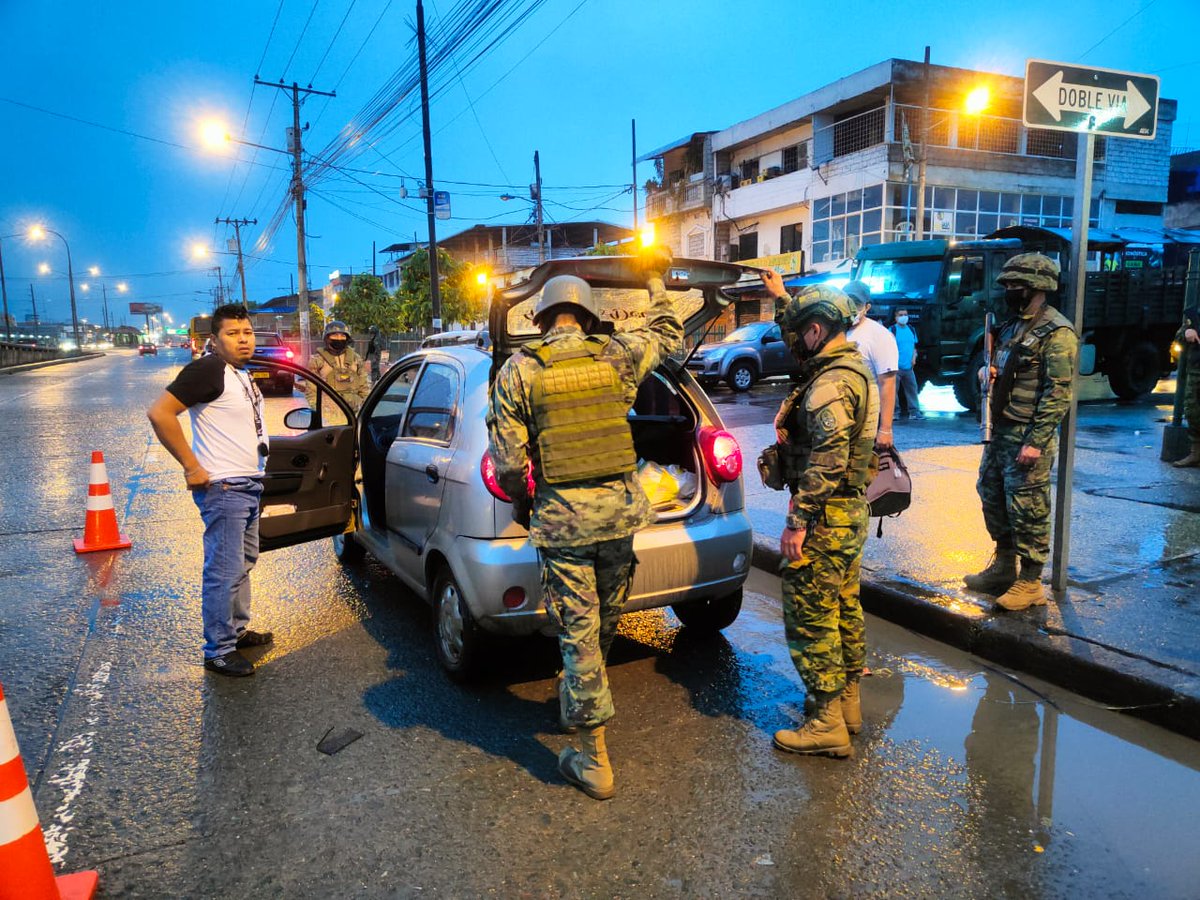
<point>1101,101</point>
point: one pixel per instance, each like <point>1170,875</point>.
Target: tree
<point>463,298</point>
<point>316,320</point>
<point>364,303</point>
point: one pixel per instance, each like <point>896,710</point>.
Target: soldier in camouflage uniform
<point>825,455</point>
<point>563,403</point>
<point>339,366</point>
<point>1189,338</point>
<point>1033,377</point>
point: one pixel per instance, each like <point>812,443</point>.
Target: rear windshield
<point>267,340</point>
<point>624,307</point>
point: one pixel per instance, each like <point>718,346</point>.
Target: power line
<point>333,41</point>
<point>299,40</point>
<point>1118,28</point>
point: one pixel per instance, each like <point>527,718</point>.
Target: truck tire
<point>966,388</point>
<point>741,376</point>
<point>1136,371</point>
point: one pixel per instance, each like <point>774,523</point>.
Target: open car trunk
<point>663,423</point>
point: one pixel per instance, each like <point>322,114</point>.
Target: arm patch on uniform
<point>822,394</point>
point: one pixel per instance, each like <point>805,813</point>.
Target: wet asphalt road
<point>968,781</point>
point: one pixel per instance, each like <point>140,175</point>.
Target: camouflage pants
<point>585,589</point>
<point>1016,499</point>
<point>1191,402</point>
<point>821,611</point>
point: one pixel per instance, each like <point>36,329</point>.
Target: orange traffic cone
<point>27,874</point>
<point>100,531</point>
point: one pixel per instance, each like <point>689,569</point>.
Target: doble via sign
<point>1062,97</point>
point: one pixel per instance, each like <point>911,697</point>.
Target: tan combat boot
<point>824,733</point>
<point>564,723</point>
<point>851,706</point>
<point>589,769</point>
<point>1189,461</point>
<point>998,576</point>
<point>1026,591</point>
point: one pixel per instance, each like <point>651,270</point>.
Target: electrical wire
<point>1118,28</point>
<point>300,39</point>
<point>332,41</point>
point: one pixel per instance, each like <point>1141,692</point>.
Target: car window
<point>431,407</point>
<point>751,332</point>
<point>384,422</point>
<point>624,307</point>
<point>267,340</point>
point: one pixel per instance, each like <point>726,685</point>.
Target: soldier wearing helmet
<point>340,367</point>
<point>1032,377</point>
<point>826,434</point>
<point>559,409</point>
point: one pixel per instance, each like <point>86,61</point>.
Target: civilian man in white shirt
<point>223,468</point>
<point>878,347</point>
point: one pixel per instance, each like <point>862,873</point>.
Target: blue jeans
<point>229,509</point>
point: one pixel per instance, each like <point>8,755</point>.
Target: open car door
<point>308,489</point>
<point>697,288</point>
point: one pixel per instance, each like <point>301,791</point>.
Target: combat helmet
<point>336,327</point>
<point>1031,270</point>
<point>563,290</point>
<point>823,302</point>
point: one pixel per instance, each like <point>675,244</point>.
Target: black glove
<point>522,510</point>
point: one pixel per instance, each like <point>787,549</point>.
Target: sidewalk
<point>1127,633</point>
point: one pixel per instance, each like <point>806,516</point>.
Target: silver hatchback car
<point>428,506</point>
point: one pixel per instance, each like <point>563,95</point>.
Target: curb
<point>25,367</point>
<point>1152,691</point>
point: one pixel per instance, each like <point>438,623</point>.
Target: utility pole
<point>4,291</point>
<point>435,292</point>
<point>237,234</point>
<point>33,301</point>
<point>295,146</point>
<point>536,190</point>
<point>633,132</point>
<point>104,290</point>
<point>924,155</point>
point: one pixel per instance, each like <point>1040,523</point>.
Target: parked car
<point>270,346</point>
<point>147,349</point>
<point>432,512</point>
<point>743,357</point>
<point>451,338</point>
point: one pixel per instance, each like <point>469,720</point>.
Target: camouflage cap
<point>1032,270</point>
<point>822,302</point>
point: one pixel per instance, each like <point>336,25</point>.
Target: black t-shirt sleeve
<point>200,381</point>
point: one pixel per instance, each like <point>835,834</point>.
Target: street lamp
<point>36,233</point>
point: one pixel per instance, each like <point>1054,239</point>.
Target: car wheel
<point>347,549</point>
<point>456,636</point>
<point>741,377</point>
<point>1136,371</point>
<point>709,616</point>
<point>284,388</point>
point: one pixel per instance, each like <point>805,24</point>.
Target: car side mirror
<point>298,419</point>
<point>771,339</point>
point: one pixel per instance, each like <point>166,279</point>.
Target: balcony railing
<point>680,197</point>
<point>990,134</point>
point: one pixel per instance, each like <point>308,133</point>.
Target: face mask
<point>1015,299</point>
<point>802,351</point>
<point>901,320</point>
<point>337,345</point>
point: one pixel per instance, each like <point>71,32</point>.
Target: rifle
<point>985,398</point>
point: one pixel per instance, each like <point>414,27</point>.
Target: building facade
<point>837,169</point>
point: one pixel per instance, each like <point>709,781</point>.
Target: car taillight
<point>487,471</point>
<point>721,452</point>
<point>291,355</point>
<point>514,598</point>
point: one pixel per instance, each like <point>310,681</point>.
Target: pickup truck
<point>1129,320</point>
<point>270,346</point>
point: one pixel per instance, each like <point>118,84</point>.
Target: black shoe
<point>250,638</point>
<point>232,664</point>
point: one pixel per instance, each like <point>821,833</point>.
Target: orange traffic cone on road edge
<point>27,873</point>
<point>100,531</point>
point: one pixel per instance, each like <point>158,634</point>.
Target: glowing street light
<point>122,287</point>
<point>214,134</point>
<point>647,235</point>
<point>481,277</point>
<point>199,251</point>
<point>43,268</point>
<point>94,271</point>
<point>37,233</point>
<point>978,100</point>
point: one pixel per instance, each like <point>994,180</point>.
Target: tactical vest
<point>795,453</point>
<point>339,373</point>
<point>579,408</point>
<point>1019,381</point>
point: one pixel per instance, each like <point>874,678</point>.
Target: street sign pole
<point>1066,459</point>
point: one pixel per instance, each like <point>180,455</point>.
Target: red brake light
<point>291,355</point>
<point>487,471</point>
<point>514,598</point>
<point>721,452</point>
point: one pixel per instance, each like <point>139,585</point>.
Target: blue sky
<point>566,83</point>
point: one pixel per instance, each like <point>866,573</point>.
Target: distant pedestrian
<point>1033,377</point>
<point>825,433</point>
<point>340,367</point>
<point>374,354</point>
<point>1189,337</point>
<point>223,468</point>
<point>906,345</point>
<point>878,348</point>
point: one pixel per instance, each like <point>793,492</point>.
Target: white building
<point>837,168</point>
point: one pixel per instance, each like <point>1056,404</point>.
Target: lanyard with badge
<point>250,389</point>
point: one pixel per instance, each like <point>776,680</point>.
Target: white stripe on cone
<point>17,817</point>
<point>95,504</point>
<point>8,738</point>
<point>98,473</point>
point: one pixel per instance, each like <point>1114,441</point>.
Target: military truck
<point>1131,312</point>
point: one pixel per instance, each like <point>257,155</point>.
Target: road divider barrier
<point>25,870</point>
<point>100,529</point>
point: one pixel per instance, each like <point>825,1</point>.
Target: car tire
<point>967,388</point>
<point>709,616</point>
<point>741,376</point>
<point>1136,371</point>
<point>284,388</point>
<point>456,637</point>
<point>347,549</point>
